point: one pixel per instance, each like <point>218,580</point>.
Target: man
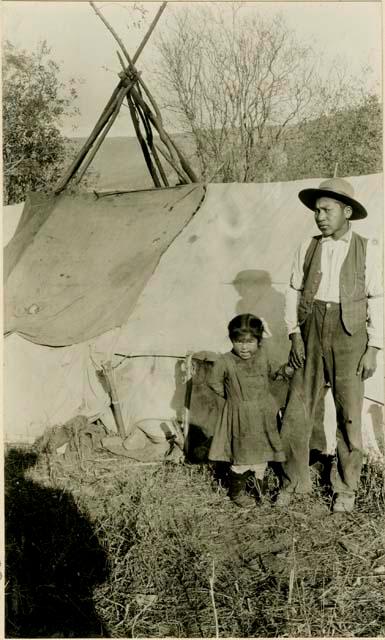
<point>333,315</point>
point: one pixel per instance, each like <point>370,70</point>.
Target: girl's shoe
<point>237,490</point>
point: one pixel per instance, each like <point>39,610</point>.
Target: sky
<point>86,50</point>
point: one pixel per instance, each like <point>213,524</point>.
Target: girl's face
<point>245,346</point>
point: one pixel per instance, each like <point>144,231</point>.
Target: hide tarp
<point>78,263</point>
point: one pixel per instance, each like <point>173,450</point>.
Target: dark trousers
<point>332,357</point>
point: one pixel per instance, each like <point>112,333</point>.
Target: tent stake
<point>188,375</point>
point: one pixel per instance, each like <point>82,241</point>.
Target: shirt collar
<point>345,238</point>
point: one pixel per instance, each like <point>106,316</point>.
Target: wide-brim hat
<point>338,189</point>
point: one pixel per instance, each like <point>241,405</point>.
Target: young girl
<point>246,434</point>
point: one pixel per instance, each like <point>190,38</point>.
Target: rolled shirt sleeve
<point>374,284</point>
<point>294,289</point>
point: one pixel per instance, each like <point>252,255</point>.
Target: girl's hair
<point>244,324</point>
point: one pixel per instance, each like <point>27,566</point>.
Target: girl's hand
<point>297,353</point>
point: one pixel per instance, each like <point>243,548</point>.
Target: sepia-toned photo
<point>193,423</point>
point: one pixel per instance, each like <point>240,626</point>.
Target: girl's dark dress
<point>246,432</point>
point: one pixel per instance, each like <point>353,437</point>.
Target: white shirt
<point>333,254</point>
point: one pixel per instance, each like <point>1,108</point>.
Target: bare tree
<point>246,90</point>
<point>236,85</point>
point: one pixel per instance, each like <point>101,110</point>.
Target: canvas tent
<point>232,254</point>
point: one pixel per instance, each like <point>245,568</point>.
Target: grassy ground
<point>154,551</point>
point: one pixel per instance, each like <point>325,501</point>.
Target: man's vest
<point>352,283</point>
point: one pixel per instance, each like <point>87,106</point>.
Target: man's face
<point>331,216</point>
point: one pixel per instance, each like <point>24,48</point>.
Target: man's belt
<point>323,304</point>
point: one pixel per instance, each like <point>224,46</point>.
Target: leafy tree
<point>348,139</point>
<point>34,104</point>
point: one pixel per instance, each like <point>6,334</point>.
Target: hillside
<point>352,139</point>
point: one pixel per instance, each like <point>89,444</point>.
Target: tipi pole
<point>142,142</point>
<point>108,109</point>
<point>150,143</point>
<point>149,32</point>
<point>159,165</point>
<point>171,162</point>
<point>147,146</point>
<point>165,138</point>
<point>119,40</point>
<point>156,120</point>
<point>103,133</point>
<point>110,113</point>
<point>101,123</point>
<point>131,69</point>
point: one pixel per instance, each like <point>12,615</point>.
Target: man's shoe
<point>244,501</point>
<point>344,503</point>
<point>283,499</point>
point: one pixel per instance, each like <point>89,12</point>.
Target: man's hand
<point>297,353</point>
<point>368,363</point>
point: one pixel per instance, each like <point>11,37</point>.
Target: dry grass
<point>180,560</point>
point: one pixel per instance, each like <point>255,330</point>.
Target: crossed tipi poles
<point>133,89</point>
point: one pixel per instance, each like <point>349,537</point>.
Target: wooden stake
<point>110,379</point>
<point>188,374</point>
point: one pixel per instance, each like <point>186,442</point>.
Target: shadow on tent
<point>53,559</point>
<point>258,296</point>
